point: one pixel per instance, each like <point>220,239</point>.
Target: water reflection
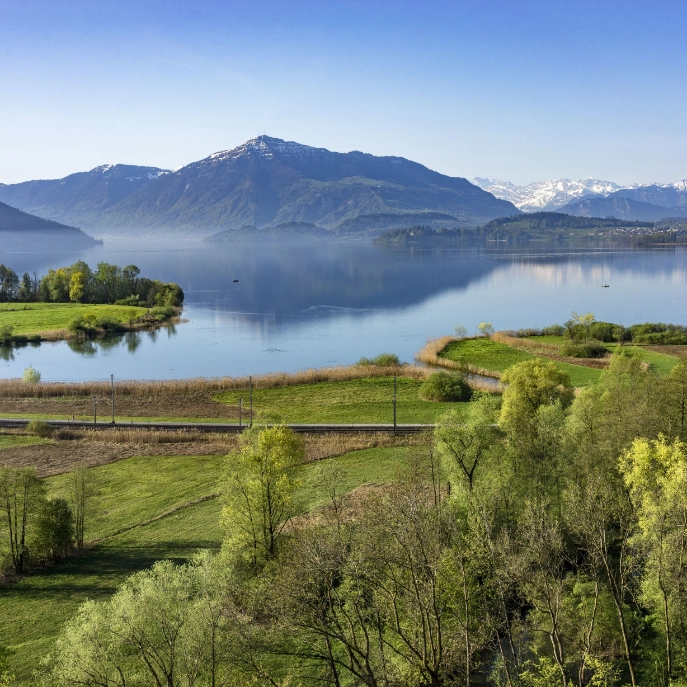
<point>305,304</point>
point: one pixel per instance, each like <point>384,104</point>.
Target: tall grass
<point>16,388</point>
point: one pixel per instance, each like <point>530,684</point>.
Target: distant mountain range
<point>17,225</point>
<point>594,198</point>
<point>263,184</point>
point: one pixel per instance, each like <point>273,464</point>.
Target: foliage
<point>40,429</point>
<point>588,348</point>
<point>31,375</point>
<point>78,283</point>
<point>55,528</point>
<point>485,329</point>
<point>382,360</point>
<point>259,491</point>
<point>444,386</point>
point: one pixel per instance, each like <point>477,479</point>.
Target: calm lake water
<point>310,304</point>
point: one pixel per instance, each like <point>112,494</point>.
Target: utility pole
<point>394,404</point>
<point>112,384</point>
<point>95,410</point>
<point>250,380</point>
<point>240,404</point>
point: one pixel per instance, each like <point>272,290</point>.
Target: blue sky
<point>518,90</point>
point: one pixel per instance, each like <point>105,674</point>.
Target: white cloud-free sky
<point>521,90</point>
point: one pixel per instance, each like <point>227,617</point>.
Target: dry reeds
<point>16,388</point>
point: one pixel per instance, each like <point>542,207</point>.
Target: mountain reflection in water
<point>308,304</point>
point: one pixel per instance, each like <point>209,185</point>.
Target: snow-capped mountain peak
<point>546,195</point>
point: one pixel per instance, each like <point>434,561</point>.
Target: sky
<point>516,90</point>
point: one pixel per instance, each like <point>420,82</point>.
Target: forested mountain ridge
<point>266,182</point>
<point>21,225</point>
<point>621,207</point>
<point>79,198</point>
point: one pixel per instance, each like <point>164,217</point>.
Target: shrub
<point>443,386</point>
<point>382,360</point>
<point>163,313</point>
<point>5,335</point>
<point>40,429</point>
<point>108,325</point>
<point>31,375</point>
<point>129,300</point>
<point>603,331</point>
<point>84,324</point>
<point>584,349</point>
<point>553,330</point>
<point>524,333</point>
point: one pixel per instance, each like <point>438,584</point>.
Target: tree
<point>656,474</point>
<point>464,443</point>
<point>259,490</point>
<point>461,331</point>
<point>9,284</point>
<point>26,289</point>
<point>485,329</point>
<point>528,386</point>
<point>55,528</point>
<point>77,286</point>
<point>31,375</point>
<point>21,494</point>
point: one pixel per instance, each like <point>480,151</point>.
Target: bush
<point>553,330</point>
<point>40,429</point>
<point>443,386</point>
<point>524,333</point>
<point>84,324</point>
<point>163,313</point>
<point>110,325</point>
<point>5,335</point>
<point>382,360</point>
<point>584,349</point>
<point>129,300</point>
<point>31,375</point>
<point>603,331</point>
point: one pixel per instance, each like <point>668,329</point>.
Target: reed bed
<point>16,388</point>
<point>430,356</point>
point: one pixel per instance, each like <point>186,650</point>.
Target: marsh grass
<point>15,388</point>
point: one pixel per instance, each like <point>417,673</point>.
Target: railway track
<point>19,423</point>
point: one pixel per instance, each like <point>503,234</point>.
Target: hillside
<point>267,182</point>
<point>16,225</point>
<point>79,198</point>
<point>622,208</point>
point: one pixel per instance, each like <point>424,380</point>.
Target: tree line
<point>539,540</point>
<point>78,283</point>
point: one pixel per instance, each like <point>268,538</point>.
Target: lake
<point>311,304</point>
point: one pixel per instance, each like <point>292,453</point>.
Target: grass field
<point>11,440</point>
<point>366,400</point>
<point>32,318</point>
<point>662,363</point>
<point>131,492</point>
<point>496,356</point>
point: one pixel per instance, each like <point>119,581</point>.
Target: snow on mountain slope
<point>545,195</point>
<point>554,194</point>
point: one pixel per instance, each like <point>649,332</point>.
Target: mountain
<point>621,208</point>
<point>81,197</point>
<point>665,195</point>
<point>555,194</point>
<point>545,195</point>
<point>17,226</point>
<point>268,182</point>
